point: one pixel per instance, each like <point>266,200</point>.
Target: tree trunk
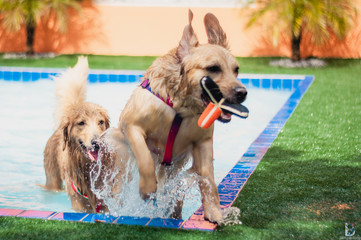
<point>296,43</point>
<point>30,34</point>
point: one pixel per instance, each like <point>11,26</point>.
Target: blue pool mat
<point>228,188</point>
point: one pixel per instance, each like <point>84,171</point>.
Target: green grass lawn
<point>307,186</point>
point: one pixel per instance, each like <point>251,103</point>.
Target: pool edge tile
<point>68,216</point>
<point>96,218</point>
<point>198,225</point>
<point>8,212</point>
<point>36,214</point>
<point>166,223</point>
<point>128,220</point>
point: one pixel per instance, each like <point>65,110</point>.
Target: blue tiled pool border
<point>230,186</point>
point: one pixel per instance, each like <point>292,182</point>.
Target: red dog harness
<point>167,159</point>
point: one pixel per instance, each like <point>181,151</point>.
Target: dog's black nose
<point>241,93</point>
<point>95,145</point>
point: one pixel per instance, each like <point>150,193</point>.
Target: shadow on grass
<point>288,187</point>
<point>336,63</point>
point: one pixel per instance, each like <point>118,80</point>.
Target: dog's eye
<point>214,69</point>
<point>101,122</point>
<point>82,123</point>
<point>236,70</point>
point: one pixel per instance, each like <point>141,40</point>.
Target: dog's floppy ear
<point>189,39</point>
<point>215,33</point>
<point>66,134</point>
<point>106,117</point>
<point>107,123</point>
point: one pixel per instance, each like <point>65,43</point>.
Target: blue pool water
<point>26,122</point>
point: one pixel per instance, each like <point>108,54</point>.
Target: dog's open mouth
<point>225,115</point>
<point>91,153</point>
<point>212,93</point>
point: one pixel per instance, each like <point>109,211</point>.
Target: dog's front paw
<point>147,187</point>
<point>213,215</point>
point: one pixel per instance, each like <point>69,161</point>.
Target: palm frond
<point>13,15</point>
<point>318,17</point>
<point>60,10</point>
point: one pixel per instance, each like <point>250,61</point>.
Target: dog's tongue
<point>93,155</point>
<point>226,116</point>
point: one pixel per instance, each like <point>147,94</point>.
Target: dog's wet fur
<point>72,150</point>
<point>144,123</point>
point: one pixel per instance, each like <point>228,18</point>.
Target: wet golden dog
<point>72,150</point>
<point>145,122</point>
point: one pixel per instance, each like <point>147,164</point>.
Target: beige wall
<point>116,30</point>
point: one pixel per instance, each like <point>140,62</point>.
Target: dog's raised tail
<point>70,87</point>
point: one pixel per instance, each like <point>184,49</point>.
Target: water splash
<point>181,188</point>
<point>231,216</point>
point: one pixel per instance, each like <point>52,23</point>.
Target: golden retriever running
<point>172,87</point>
<point>72,150</point>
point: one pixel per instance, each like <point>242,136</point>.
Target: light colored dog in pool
<point>159,122</point>
<point>72,150</point>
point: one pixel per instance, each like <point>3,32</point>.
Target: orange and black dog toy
<point>217,104</point>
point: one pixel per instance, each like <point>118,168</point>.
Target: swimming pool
<point>26,122</point>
